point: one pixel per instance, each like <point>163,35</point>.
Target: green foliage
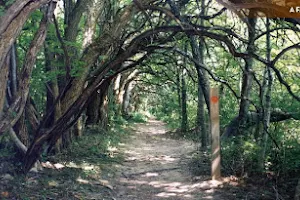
<point>96,145</point>
<point>165,108</point>
<point>2,11</point>
<point>6,147</point>
<point>228,108</point>
<point>286,159</point>
<point>192,113</point>
<point>162,97</point>
<point>6,151</point>
<point>240,155</point>
<point>77,68</point>
<point>171,120</point>
<point>118,121</point>
<point>6,5</point>
<point>138,118</point>
<point>9,2</point>
<point>37,83</point>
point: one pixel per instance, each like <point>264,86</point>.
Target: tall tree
<point>266,94</point>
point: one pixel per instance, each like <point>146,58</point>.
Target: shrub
<point>240,156</point>
<point>138,117</point>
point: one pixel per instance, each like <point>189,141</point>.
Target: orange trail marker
<point>214,99</point>
<point>215,134</point>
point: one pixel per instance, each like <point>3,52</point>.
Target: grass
<point>86,162</point>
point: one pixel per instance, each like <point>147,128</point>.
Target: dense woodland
<point>67,67</point>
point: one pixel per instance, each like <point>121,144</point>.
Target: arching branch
<point>278,73</point>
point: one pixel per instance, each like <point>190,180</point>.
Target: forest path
<point>155,167</point>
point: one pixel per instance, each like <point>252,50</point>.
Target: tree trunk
<point>103,113</point>
<point>12,89</point>
<point>115,100</point>
<point>13,72</point>
<point>135,100</point>
<point>200,123</point>
<point>184,117</point>
<point>92,52</point>
<point>78,102</point>
<point>203,90</point>
<point>92,111</point>
<point>247,77</point>
<point>266,92</point>
<point>78,131</point>
<point>97,109</point>
<point>73,15</point>
<point>178,87</point>
<point>203,85</point>
<point>11,24</point>
<point>4,71</point>
<point>17,107</point>
<point>52,90</point>
<point>19,144</point>
<point>126,97</point>
<point>32,116</point>
<point>89,56</point>
<point>21,129</point>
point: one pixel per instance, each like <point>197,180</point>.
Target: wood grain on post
<point>215,132</point>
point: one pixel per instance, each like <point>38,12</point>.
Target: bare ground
<point>155,167</point>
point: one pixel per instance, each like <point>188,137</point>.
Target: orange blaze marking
<point>214,99</point>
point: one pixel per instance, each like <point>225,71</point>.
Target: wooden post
<point>215,133</point>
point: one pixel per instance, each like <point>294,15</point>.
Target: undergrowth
<point>97,145</point>
<point>87,161</point>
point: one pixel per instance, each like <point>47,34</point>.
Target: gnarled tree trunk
<point>16,108</point>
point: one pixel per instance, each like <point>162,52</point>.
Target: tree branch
<point>278,73</point>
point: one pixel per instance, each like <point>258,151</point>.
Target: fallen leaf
<point>5,194</point>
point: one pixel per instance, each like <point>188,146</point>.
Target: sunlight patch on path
<point>176,189</point>
<point>153,169</point>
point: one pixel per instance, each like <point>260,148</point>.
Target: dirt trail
<point>155,168</point>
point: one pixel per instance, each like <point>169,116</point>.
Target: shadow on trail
<point>155,167</point>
